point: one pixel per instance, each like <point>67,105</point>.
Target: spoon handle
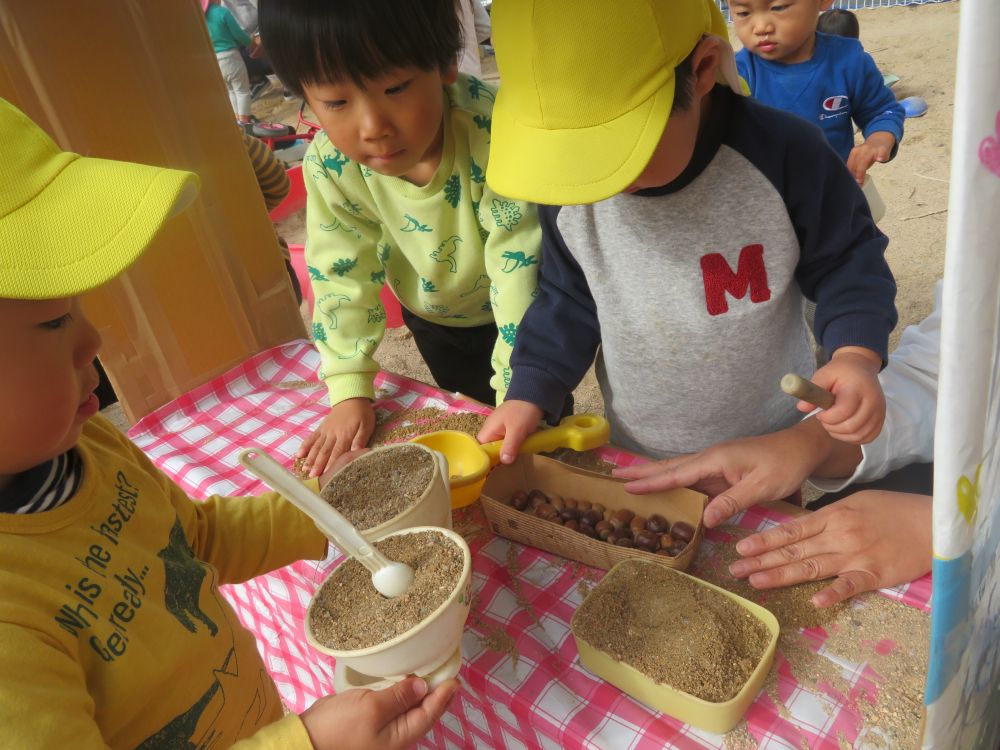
<point>327,518</point>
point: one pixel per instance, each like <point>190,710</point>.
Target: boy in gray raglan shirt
<point>702,222</point>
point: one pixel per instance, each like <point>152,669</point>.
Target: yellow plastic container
<point>469,461</point>
<point>717,718</point>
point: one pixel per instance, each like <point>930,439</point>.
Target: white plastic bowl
<point>422,649</point>
<point>432,508</point>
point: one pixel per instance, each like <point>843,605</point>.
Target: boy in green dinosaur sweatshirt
<point>398,196</point>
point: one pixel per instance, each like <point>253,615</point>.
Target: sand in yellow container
<point>711,717</point>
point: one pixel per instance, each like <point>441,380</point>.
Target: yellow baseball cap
<point>586,87</point>
<point>69,223</point>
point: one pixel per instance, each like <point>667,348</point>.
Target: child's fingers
<point>492,429</point>
<point>361,437</point>
<point>307,445</point>
<point>512,439</point>
<point>331,449</point>
<point>844,408</point>
<point>410,715</point>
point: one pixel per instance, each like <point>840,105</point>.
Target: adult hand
<point>859,404</point>
<point>876,148</point>
<point>513,421</point>
<point>390,719</point>
<point>870,540</point>
<point>347,427</point>
<point>739,473</point>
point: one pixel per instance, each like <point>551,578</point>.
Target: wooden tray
<point>551,476</point>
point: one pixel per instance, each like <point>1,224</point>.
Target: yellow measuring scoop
<point>469,461</point>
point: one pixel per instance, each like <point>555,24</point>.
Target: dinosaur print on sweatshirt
<point>328,306</point>
<point>445,252</point>
<point>412,225</point>
<point>514,259</point>
<point>506,214</point>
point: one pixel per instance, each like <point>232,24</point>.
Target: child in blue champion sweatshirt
<point>827,80</point>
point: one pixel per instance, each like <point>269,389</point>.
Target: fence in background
<point>858,4</point>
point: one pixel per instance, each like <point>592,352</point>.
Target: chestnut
<point>624,542</point>
<point>621,518</point>
<point>592,517</point>
<point>603,529</point>
<point>647,540</point>
<point>570,514</point>
<point>572,524</point>
<point>536,498</point>
<point>637,524</point>
<point>519,499</point>
<point>546,512</point>
<point>683,531</point>
<point>657,524</point>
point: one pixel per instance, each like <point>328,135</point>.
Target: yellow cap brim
<point>87,226</point>
<point>579,165</point>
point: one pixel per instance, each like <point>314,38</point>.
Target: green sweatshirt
<point>453,251</point>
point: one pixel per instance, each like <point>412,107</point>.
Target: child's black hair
<point>839,23</point>
<point>328,41</point>
<point>683,84</point>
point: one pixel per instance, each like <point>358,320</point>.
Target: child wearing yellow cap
<point>398,197</point>
<point>112,629</point>
<point>683,227</point>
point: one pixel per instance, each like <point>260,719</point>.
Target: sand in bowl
<point>349,614</point>
<point>378,486</point>
<point>671,629</point>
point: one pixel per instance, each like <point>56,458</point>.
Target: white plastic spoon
<point>390,579</point>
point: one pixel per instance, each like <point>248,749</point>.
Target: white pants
<point>234,73</point>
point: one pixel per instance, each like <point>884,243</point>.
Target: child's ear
<point>450,74</point>
<point>707,58</point>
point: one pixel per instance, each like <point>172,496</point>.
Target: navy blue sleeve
<point>875,106</point>
<point>842,264</point>
<point>559,334</point>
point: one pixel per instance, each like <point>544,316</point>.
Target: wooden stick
<point>806,390</point>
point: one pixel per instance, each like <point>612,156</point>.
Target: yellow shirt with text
<point>112,629</point>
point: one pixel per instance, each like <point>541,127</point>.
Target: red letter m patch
<point>719,279</point>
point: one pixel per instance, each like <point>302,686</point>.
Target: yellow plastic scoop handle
<point>580,432</point>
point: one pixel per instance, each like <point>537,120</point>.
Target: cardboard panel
<point>139,81</point>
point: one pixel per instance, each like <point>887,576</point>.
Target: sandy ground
<point>917,43</point>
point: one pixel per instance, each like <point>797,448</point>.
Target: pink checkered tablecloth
<point>543,697</point>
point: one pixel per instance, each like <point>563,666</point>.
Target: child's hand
<point>347,427</point>
<point>390,719</point>
<point>876,148</point>
<point>739,473</point>
<point>869,540</point>
<point>858,410</point>
<point>513,421</point>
